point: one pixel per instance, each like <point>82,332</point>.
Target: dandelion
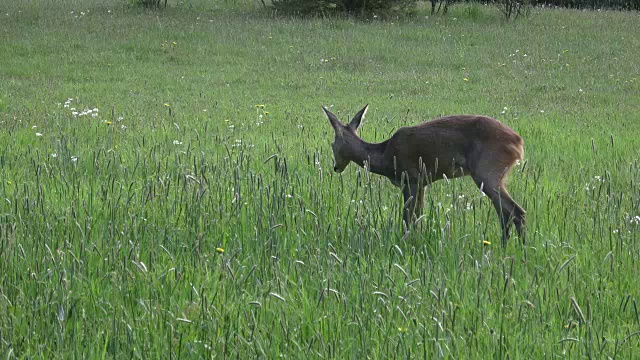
<point>266,113</point>
<point>465,79</point>
<point>220,250</point>
<point>108,122</point>
<point>486,243</point>
<point>260,106</point>
<point>166,105</point>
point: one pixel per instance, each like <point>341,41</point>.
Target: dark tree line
<point>591,4</point>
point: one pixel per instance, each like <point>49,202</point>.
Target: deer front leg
<point>407,207</point>
<point>412,208</point>
<point>419,201</point>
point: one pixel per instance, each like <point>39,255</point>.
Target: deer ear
<point>355,122</point>
<point>335,123</point>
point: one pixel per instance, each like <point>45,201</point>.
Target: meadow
<point>167,187</point>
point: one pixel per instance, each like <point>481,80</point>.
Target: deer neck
<point>369,153</point>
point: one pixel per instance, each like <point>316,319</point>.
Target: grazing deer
<point>450,147</point>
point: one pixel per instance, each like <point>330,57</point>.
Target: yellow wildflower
<point>220,250</point>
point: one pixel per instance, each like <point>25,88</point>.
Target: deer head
<point>346,137</point>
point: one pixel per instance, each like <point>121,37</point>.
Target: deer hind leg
<point>516,214</point>
<point>507,209</point>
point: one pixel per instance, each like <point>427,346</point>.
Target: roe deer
<point>450,147</point>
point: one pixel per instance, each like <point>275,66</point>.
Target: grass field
<point>193,212</point>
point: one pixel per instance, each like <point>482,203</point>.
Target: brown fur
<point>450,146</point>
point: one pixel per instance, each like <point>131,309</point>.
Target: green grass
<point>109,224</point>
